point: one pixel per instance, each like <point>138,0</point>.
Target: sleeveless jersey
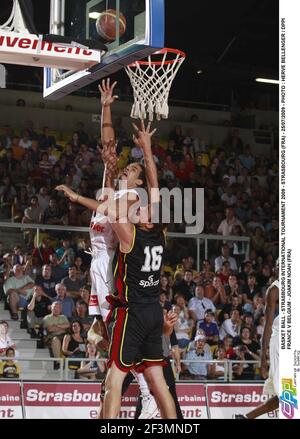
<point>137,273</point>
<point>102,236</point>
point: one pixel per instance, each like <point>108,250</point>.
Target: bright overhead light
<point>199,72</point>
<point>94,15</point>
<point>267,81</point>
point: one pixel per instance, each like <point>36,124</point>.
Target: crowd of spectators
<point>220,307</point>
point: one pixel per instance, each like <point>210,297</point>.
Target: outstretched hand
<point>170,320</point>
<point>143,137</point>
<point>68,192</point>
<point>107,90</point>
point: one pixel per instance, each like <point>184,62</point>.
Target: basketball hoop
<point>151,81</point>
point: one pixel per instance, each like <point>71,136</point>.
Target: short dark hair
<point>8,350</point>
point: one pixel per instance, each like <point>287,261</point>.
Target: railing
<point>200,238</point>
<point>64,371</point>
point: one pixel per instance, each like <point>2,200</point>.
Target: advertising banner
<point>10,400</point>
<point>82,400</point>
<point>225,401</point>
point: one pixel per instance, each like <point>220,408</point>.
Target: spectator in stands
<point>199,304</point>
<point>258,241</point>
<point>81,314</point>
<point>231,326</point>
<point>43,251</point>
<point>39,305</point>
<point>224,273</point>
<point>57,272</point>
<point>47,281</point>
<point>258,307</point>
<point>218,369</point>
<point>91,368</point>
<point>216,292</point>
<point>73,283</point>
<point>226,226</point>
<point>53,214</point>
<point>241,370</point>
<point>198,370</point>
<point>83,246</point>
<point>43,198</point>
<point>227,344</point>
<point>45,165</point>
<point>65,254</point>
<point>206,275</point>
<point>249,291</point>
<point>7,196</point>
<point>33,213</point>
<point>46,140</point>
<point>183,327</point>
<point>5,340</point>
<point>210,328</point>
<point>67,303</point>
<point>234,303</point>
<point>165,287</point>
<point>81,273</point>
<point>260,327</point>
<point>73,345</point>
<point>232,287</point>
<point>247,159</point>
<point>225,256</point>
<point>9,368</point>
<point>17,288</point>
<point>55,325</point>
<point>251,347</point>
<point>186,286</point>
<point>246,269</point>
<point>248,322</point>
<point>85,294</point>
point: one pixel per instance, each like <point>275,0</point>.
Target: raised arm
<point>108,137</point>
<point>143,140</point>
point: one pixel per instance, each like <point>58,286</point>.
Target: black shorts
<point>136,338</point>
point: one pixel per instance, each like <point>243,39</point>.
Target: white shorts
<point>271,386</point>
<point>102,283</point>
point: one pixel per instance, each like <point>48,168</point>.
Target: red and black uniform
<point>137,317</point>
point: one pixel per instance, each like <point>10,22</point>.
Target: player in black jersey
<point>138,318</point>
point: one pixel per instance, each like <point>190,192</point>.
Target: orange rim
<point>160,52</point>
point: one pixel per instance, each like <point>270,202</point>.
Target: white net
<point>151,82</point>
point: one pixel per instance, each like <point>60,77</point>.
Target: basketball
<point>106,24</point>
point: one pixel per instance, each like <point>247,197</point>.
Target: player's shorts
<point>136,338</point>
<point>102,282</point>
<point>271,386</point>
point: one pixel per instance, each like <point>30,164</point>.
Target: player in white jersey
<point>270,338</point>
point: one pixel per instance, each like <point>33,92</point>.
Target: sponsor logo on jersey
<point>97,227</point>
<point>149,283</point>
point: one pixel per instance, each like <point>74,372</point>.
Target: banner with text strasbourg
<point>82,400</point>
<point>227,400</point>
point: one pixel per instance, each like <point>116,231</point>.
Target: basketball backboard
<point>76,19</point>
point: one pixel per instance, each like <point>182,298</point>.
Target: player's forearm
<point>151,172</point>
<point>107,130</point>
<point>88,202</point>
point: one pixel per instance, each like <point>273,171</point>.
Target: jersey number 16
<point>153,258</point>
